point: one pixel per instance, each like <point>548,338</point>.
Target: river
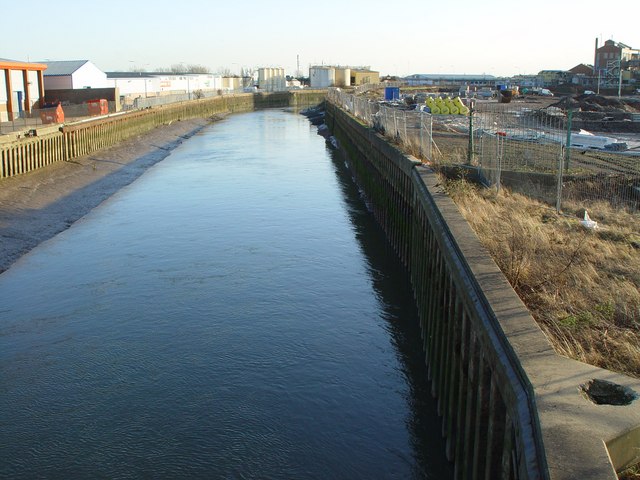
<point>233,313</point>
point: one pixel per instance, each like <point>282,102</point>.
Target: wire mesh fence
<point>528,148</point>
<point>408,128</point>
<point>520,147</point>
<point>535,151</point>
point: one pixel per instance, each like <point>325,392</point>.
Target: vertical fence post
<point>471,147</point>
<point>395,125</point>
<point>421,133</point>
<point>500,151</point>
<point>565,158</point>
<point>559,180</point>
<point>406,138</point>
<point>567,151</point>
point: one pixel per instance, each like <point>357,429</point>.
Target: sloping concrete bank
<point>511,407</point>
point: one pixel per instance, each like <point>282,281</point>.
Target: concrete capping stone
<point>581,440</point>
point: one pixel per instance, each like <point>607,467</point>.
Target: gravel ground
<point>36,206</point>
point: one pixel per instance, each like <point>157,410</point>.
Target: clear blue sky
<point>401,37</point>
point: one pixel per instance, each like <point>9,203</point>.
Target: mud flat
<point>36,206</point>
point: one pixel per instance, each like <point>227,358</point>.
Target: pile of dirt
<point>599,103</point>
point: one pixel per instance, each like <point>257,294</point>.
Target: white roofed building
<point>73,74</point>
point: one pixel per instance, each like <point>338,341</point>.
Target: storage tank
<point>322,77</point>
<point>271,79</point>
<point>343,77</point>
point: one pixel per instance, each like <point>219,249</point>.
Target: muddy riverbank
<point>38,205</point>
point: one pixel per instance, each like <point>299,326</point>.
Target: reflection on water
<point>234,313</point>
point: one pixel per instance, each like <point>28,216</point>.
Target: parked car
<point>546,92</point>
<point>589,92</point>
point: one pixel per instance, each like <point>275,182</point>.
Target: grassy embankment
<point>582,286</point>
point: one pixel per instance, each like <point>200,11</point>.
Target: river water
<point>234,313</point>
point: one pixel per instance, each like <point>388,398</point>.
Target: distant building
<point>451,80</point>
<point>73,74</point>
<point>582,69</point>
<point>321,76</point>
<point>294,83</point>
<point>553,78</point>
<point>132,85</point>
<point>527,81</point>
<point>361,76</point>
<point>616,63</point>
<point>272,79</point>
<point>232,83</point>
<point>21,88</point>
<point>613,53</point>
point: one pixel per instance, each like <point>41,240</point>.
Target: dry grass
<point>582,286</point>
<point>632,473</point>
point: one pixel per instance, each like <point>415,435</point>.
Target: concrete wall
<point>511,407</point>
<point>58,82</point>
<point>74,96</point>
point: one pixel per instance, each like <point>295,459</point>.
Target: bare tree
<point>224,71</point>
<point>193,68</point>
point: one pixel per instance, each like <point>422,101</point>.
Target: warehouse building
<point>21,88</point>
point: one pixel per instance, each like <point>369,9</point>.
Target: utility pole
<point>619,77</point>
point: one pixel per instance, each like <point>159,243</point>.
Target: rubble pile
<point>598,103</point>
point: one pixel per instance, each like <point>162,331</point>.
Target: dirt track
<point>38,205</point>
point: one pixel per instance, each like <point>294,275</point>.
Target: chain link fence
<point>535,152</point>
<point>408,128</point>
<point>528,148</point>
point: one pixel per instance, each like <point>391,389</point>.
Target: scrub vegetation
<point>582,286</point>
<point>632,473</point>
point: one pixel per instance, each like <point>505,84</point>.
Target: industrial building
<point>151,84</point>
<point>21,88</point>
<point>616,63</point>
<point>321,76</point>
<point>272,79</point>
<point>436,79</point>
<point>73,75</point>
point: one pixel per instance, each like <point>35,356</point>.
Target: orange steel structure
<point>7,67</point>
